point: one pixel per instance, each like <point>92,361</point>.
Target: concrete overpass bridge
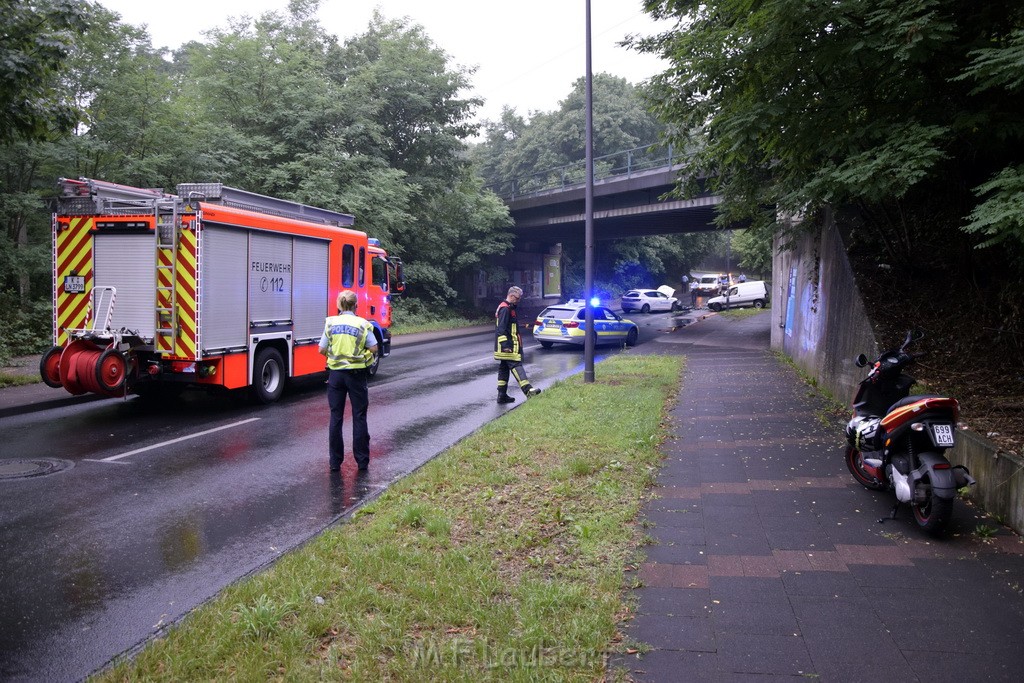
<point>549,210</point>
<point>549,206</point>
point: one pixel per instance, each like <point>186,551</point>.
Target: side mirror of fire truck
<point>399,287</point>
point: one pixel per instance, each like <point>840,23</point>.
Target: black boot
<point>530,391</point>
<point>503,397</point>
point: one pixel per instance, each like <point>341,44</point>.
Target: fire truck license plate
<point>943,435</point>
<point>74,284</point>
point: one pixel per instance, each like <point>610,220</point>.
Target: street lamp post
<point>728,275</point>
<point>588,264</point>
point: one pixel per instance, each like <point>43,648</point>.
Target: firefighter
<point>508,348</point>
<point>350,347</point>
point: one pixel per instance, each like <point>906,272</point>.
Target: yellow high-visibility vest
<point>346,342</point>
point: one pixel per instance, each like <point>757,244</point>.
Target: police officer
<point>350,347</point>
<point>508,348</point>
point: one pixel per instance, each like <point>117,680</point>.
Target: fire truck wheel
<point>268,375</point>
<point>372,369</point>
<point>111,370</point>
<point>49,367</point>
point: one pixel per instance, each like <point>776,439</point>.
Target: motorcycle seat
<point>911,399</point>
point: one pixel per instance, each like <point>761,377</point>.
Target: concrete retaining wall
<point>819,320</point>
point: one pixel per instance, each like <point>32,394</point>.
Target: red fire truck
<point>211,286</point>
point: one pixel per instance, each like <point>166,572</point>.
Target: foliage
<point>753,252</point>
<point>875,105</point>
<point>24,330</point>
<point>276,105</point>
<point>37,38</point>
<point>515,148</point>
<point>1000,216</point>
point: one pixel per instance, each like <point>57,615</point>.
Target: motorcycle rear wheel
<point>933,514</point>
<point>855,461</point>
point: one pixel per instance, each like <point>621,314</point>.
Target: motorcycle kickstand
<point>895,509</point>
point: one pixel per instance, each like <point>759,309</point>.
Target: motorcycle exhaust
<point>963,477</point>
<point>900,482</point>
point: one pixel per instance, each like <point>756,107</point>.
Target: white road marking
<point>114,458</point>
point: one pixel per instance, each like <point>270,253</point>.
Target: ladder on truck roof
<point>168,230</point>
<point>218,193</point>
<point>86,196</point>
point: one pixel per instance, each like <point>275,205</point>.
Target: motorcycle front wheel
<point>855,461</point>
<point>933,513</point>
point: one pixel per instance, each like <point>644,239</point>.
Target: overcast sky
<point>527,52</point>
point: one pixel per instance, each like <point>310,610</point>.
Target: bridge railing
<point>624,164</point>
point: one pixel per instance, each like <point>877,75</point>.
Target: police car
<point>566,324</point>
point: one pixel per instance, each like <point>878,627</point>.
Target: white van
<point>709,284</point>
<point>754,293</point>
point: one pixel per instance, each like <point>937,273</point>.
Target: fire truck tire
<point>49,367</point>
<point>111,370</point>
<point>372,369</point>
<point>268,375</point>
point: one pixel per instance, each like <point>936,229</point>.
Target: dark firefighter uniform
<point>508,351</point>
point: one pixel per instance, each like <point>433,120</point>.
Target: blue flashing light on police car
<point>567,324</point>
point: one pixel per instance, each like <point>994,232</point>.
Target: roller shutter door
<point>223,310</point>
<point>128,262</point>
<point>310,305</point>
<point>270,279</point>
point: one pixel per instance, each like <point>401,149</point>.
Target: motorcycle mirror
<point>912,336</point>
<point>861,361</point>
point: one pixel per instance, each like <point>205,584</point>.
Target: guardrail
<point>624,164</point>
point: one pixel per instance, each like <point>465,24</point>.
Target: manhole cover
<point>20,469</point>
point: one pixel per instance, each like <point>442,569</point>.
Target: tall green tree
<point>895,108</point>
<point>405,112</point>
<point>752,253</point>
<point>37,38</point>
<point>261,88</point>
<point>513,149</point>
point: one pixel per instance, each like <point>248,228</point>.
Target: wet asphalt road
<point>162,507</point>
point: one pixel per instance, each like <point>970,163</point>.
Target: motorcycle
<point>898,442</point>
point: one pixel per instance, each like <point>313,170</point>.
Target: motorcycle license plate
<point>943,435</point>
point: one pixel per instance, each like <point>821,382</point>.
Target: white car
<point>647,300</point>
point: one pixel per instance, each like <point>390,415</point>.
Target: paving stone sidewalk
<point>767,560</point>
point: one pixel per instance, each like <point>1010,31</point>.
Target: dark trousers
<point>350,383</point>
<point>516,369</point>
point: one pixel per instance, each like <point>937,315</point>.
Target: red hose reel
<point>83,366</point>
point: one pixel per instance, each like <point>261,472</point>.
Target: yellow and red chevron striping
<point>163,343</point>
<point>74,256</point>
<point>185,292</point>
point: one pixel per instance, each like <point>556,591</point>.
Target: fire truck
<point>211,286</point>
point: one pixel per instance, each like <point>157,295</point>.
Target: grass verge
<point>741,313</point>
<point>502,559</point>
<point>438,325</point>
<point>9,379</point>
